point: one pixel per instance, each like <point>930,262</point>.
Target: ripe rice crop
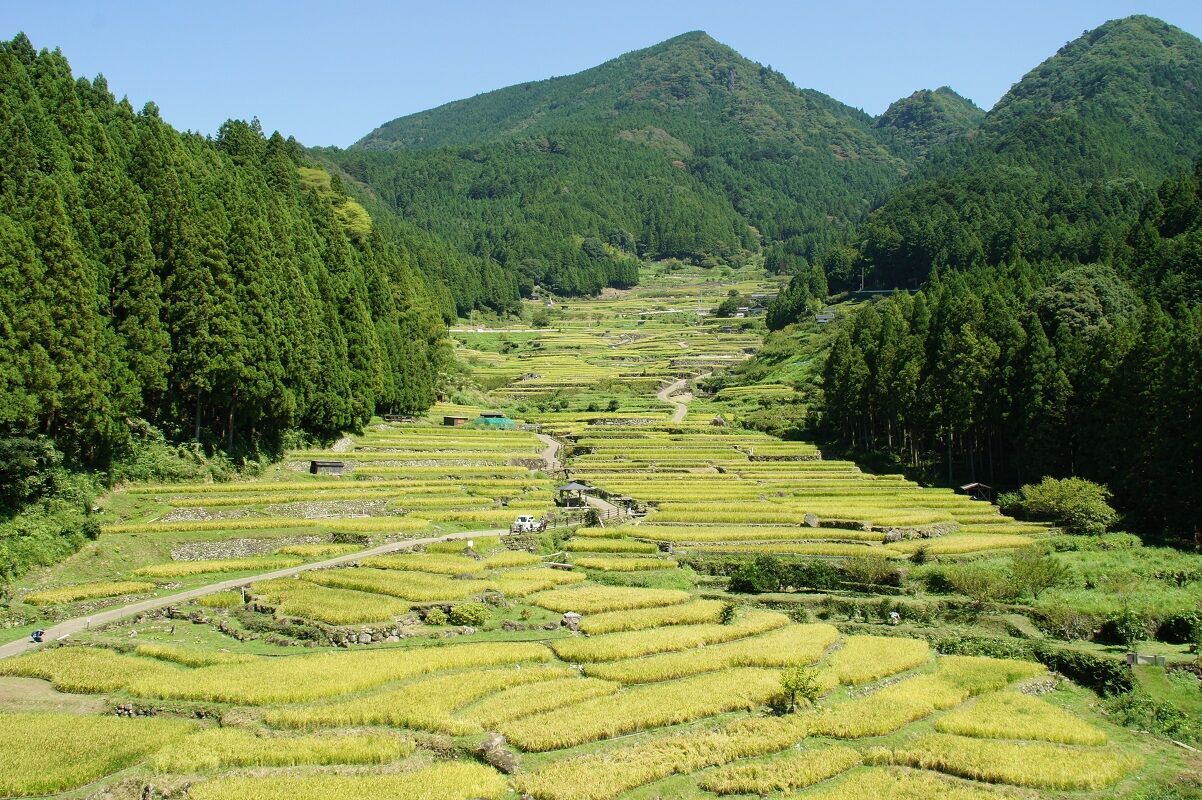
<point>440,563</point>
<point>180,569</point>
<point>492,515</point>
<point>596,599</point>
<point>797,769</point>
<point>693,612</point>
<point>507,559</point>
<point>604,775</point>
<point>1033,764</point>
<point>295,598</point>
<point>523,701</point>
<point>863,659</point>
<point>425,704</point>
<point>800,548</point>
<point>484,544</point>
<point>446,781</point>
<point>783,647</point>
<point>1010,715</point>
<point>958,544</point>
<point>624,564</point>
<point>295,679</point>
<point>237,747</point>
<point>354,524</point>
<point>957,679</point>
<point>596,545</point>
<point>644,707</point>
<point>229,599</point>
<point>276,498</point>
<point>418,587</point>
<point>45,753</point>
<point>632,644</point>
<point>86,591</point>
<point>318,550</point>
<point>190,656</point>
<point>522,582</point>
<point>685,534</point>
<point>897,784</point>
<point>87,670</point>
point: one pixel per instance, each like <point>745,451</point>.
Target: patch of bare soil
<point>32,694</point>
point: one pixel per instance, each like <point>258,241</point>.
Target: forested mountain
<point>1059,167</point>
<point>928,119</point>
<point>685,149</point>
<point>1061,329</point>
<point>223,289</point>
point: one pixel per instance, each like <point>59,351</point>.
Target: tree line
<point>223,289</point>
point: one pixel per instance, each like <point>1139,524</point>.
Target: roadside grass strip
<point>1032,764</point>
<point>46,753</point>
<point>522,582</point>
<point>297,679</point>
<point>631,644</point>
<point>644,707</point>
<point>900,784</point>
<point>794,770</point>
<point>181,569</point>
<point>863,659</point>
<point>595,599</point>
<point>216,748</point>
<point>784,647</point>
<point>445,781</point>
<point>295,598</point>
<point>426,704</point>
<point>619,564</point>
<point>190,656</point>
<point>1010,715</point>
<point>87,670</point>
<point>417,587</point>
<point>694,612</point>
<point>896,705</point>
<point>592,544</point>
<point>86,591</point>
<point>535,698</point>
<point>230,599</point>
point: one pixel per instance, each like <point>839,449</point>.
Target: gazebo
<point>572,495</point>
<point>978,491</point>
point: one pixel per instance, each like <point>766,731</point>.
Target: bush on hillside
<point>1077,505</point>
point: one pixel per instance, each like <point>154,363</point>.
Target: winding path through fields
<point>64,629</point>
<point>682,406</point>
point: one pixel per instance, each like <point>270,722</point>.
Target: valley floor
<point>582,662</point>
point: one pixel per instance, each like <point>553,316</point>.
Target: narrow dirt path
<point>64,629</point>
<point>665,395</point>
<point>551,452</point>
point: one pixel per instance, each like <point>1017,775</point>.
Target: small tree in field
<point>1033,571</point>
<point>800,684</point>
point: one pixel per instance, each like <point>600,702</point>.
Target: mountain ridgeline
<point>225,290</point>
<point>683,150</point>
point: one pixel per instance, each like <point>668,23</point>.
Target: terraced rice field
<point>663,691</point>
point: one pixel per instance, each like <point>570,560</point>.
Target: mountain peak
<point>929,118</point>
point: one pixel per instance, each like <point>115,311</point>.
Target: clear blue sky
<point>328,73</point>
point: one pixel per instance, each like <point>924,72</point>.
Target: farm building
<point>495,419</point>
<point>454,420</point>
<point>327,467</point>
<point>978,491</point>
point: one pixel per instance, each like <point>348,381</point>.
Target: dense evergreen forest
<point>1060,331</point>
<point>684,150</point>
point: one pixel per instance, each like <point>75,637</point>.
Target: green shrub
<point>871,572</point>
<point>436,616</point>
<point>761,575</point>
<point>1078,505</point>
<point>473,614</point>
<point>1139,710</point>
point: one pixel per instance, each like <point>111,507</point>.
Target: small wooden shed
<point>454,420</point>
<point>978,491</point>
<point>327,467</point>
